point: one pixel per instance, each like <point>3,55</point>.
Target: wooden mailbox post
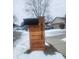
<point>37,35</point>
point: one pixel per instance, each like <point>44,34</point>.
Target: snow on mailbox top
<point>31,21</point>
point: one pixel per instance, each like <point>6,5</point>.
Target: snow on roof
<point>59,20</point>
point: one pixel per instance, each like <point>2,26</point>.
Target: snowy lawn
<point>23,44</point>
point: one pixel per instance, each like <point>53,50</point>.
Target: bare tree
<point>14,19</point>
<point>37,7</point>
<point>48,18</point>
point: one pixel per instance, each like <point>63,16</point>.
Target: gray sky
<point>57,9</point>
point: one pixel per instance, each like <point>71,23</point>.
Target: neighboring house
<point>59,23</point>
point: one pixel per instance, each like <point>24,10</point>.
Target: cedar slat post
<point>37,35</point>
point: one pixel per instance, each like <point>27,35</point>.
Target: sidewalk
<point>58,42</point>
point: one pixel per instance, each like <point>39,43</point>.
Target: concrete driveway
<point>58,40</point>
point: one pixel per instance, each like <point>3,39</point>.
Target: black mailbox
<point>31,21</point>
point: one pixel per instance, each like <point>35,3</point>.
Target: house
<point>59,23</point>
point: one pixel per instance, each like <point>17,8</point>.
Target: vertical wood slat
<point>37,39</point>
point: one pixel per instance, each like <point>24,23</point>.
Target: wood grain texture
<point>37,36</point>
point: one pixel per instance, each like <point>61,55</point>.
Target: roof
<point>59,20</point>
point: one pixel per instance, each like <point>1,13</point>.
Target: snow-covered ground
<point>54,32</point>
<point>23,44</point>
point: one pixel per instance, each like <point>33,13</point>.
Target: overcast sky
<point>57,9</point>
